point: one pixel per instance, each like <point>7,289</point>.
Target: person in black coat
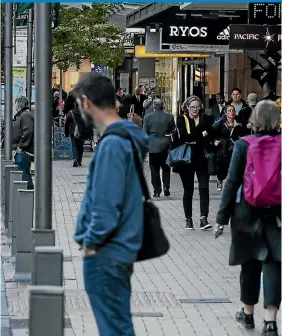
<point>138,100</point>
<point>255,232</point>
<point>217,109</point>
<point>226,131</point>
<point>199,138</point>
<point>74,118</point>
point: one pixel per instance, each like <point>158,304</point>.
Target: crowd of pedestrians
<point>110,233</point>
<point>241,137</point>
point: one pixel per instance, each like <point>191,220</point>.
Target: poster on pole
<point>19,58</point>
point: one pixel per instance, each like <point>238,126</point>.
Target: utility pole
<point>29,55</point>
<point>43,118</point>
<point>8,75</point>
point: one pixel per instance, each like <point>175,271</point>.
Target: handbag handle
<point>123,133</point>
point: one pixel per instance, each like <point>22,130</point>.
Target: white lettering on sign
<point>188,31</point>
<point>269,10</point>
<point>246,36</point>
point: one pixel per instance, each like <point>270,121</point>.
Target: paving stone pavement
<point>196,267</point>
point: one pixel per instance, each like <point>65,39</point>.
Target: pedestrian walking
<point>125,107</point>
<point>110,221</point>
<point>120,95</point>
<point>148,103</point>
<point>225,131</point>
<point>255,213</point>
<point>160,126</point>
<point>23,139</point>
<point>79,130</point>
<point>195,129</point>
<point>217,109</point>
<point>137,100</point>
<point>236,100</point>
<point>245,114</point>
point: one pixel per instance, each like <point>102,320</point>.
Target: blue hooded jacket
<point>110,220</point>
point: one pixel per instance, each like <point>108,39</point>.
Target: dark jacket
<point>70,123</point>
<point>254,231</point>
<point>243,118</point>
<point>215,113</point>
<point>159,126</point>
<point>244,104</point>
<point>203,145</point>
<point>69,103</point>
<point>125,106</point>
<point>110,219</point>
<point>23,131</point>
<point>226,135</point>
<point>138,104</point>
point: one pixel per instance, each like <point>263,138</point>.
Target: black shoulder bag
<point>155,243</point>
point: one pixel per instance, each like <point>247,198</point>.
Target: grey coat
<point>255,232</point>
<point>23,131</point>
<point>148,106</point>
<point>159,125</point>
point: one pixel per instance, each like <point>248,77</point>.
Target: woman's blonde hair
<point>266,116</point>
<point>187,102</point>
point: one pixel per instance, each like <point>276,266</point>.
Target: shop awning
<point>214,6</point>
<point>150,13</point>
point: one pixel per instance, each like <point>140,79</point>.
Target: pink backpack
<point>262,178</point>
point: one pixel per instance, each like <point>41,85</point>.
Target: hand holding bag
<point>181,155</point>
<point>134,117</point>
<point>155,243</point>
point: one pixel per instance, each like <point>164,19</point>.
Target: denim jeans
<point>22,160</point>
<point>107,283</point>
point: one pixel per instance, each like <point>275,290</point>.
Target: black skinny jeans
<point>157,162</point>
<point>187,175</point>
<point>77,149</point>
<point>250,278</point>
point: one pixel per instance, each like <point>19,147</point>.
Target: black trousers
<point>250,278</point>
<point>157,162</point>
<point>223,163</point>
<point>77,149</point>
<point>187,177</point>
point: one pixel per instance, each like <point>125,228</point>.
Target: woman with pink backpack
<point>252,200</point>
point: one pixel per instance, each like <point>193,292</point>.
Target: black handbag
<point>155,243</point>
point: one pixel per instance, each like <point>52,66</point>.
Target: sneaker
<point>189,224</point>
<point>219,185</point>
<point>79,164</point>
<point>75,164</point>
<point>270,329</point>
<point>205,225</point>
<point>167,192</point>
<point>156,195</point>
<point>245,319</point>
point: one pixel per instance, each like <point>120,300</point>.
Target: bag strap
<point>72,115</point>
<point>123,133</point>
<point>187,124</point>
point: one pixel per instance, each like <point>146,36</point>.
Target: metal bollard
<point>3,164</point>
<point>7,169</point>
<point>46,311</point>
<point>16,215</point>
<point>23,227</point>
<point>15,176</point>
<point>47,266</point>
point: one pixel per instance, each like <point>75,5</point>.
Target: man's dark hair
<point>220,95</point>
<point>141,86</point>
<point>236,89</point>
<point>120,89</point>
<point>98,89</point>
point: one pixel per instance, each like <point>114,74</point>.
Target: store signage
<point>202,31</point>
<point>265,13</point>
<point>139,39</point>
<point>255,37</point>
<point>140,52</point>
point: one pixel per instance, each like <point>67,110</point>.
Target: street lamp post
<point>8,109</point>
<point>43,233</point>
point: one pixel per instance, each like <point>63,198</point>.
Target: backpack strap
<point>73,118</point>
<point>250,139</point>
<point>123,133</point>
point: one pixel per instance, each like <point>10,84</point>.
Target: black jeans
<point>223,163</point>
<point>250,278</point>
<point>158,161</point>
<point>77,149</point>
<point>187,177</point>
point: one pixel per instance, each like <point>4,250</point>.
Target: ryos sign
<point>188,31</point>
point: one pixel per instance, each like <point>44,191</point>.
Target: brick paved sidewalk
<point>195,268</point>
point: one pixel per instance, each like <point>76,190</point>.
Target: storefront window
<point>164,80</point>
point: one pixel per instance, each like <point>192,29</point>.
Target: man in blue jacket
<point>110,221</point>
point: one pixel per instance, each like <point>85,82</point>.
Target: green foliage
<point>87,34</point>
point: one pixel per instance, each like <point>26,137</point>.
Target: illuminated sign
<point>140,52</point>
<point>265,13</point>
